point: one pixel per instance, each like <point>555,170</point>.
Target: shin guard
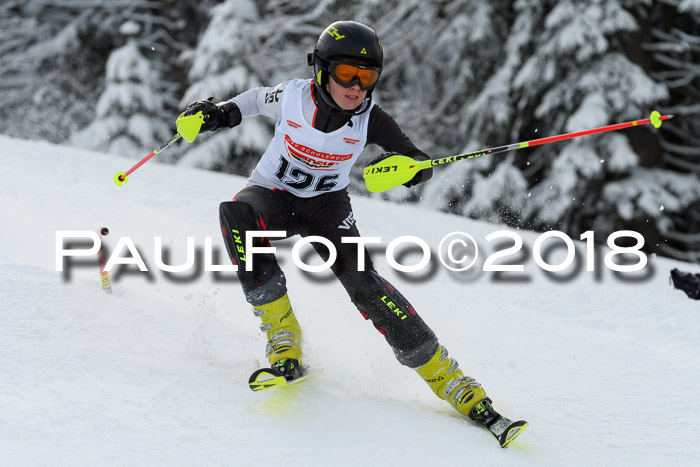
<point>266,282</point>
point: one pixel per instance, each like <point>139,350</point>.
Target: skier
<point>299,186</point>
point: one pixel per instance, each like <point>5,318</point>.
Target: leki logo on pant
<point>392,306</point>
<point>239,244</point>
<point>348,222</point>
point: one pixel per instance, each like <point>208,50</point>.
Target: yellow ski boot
<point>449,383</point>
<point>283,346</point>
<point>467,396</point>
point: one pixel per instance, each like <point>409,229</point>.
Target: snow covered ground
<point>605,369</point>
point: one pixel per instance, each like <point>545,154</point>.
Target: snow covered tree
<point>487,188</point>
<point>565,69</point>
<point>222,66</point>
<point>675,48</point>
<point>139,103</point>
<point>127,118</point>
<point>580,78</point>
<point>247,44</point>
<point>46,71</point>
<point>53,55</point>
<point>438,56</point>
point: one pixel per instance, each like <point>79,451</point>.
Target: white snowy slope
<point>605,370</point>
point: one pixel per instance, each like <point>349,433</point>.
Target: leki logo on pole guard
<point>387,168</point>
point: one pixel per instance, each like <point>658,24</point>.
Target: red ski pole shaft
<point>397,170</point>
<point>120,178</point>
<point>655,119</point>
<point>603,129</point>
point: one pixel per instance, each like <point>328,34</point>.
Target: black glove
<point>422,176</point>
<point>224,114</point>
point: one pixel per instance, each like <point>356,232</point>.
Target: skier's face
<point>346,98</point>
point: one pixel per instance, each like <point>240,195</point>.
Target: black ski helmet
<point>347,39</point>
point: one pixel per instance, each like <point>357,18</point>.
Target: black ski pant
<point>330,216</point>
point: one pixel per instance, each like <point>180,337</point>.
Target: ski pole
<point>397,170</point>
<point>105,279</point>
<point>187,127</point>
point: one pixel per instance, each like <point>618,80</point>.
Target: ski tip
<point>265,378</point>
<point>512,432</point>
<point>269,378</point>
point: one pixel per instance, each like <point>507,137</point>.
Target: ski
<point>503,429</point>
<point>506,430</point>
<point>289,372</point>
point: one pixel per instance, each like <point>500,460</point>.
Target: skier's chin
<point>347,103</point>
